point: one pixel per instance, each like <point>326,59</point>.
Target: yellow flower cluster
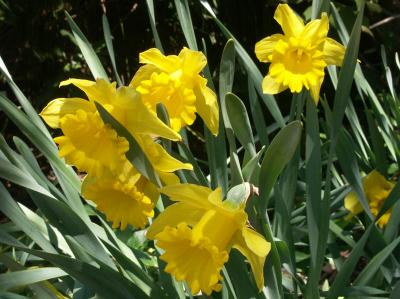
<point>376,189</point>
<point>197,234</point>
<point>299,55</point>
<point>94,147</point>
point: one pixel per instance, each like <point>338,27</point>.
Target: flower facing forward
<point>175,82</point>
<point>126,198</point>
<point>93,146</point>
<point>197,234</point>
<point>376,189</point>
<point>299,55</point>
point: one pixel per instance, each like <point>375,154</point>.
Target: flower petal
<point>57,108</point>
<point>291,24</point>
<point>265,47</point>
<point>144,120</point>
<point>315,90</point>
<point>270,86</point>
<point>143,73</point>
<point>191,194</point>
<point>333,52</point>
<point>158,156</point>
<point>154,57</point>
<point>97,91</point>
<point>193,61</point>
<point>316,30</point>
<point>252,253</point>
<point>172,216</point>
<point>352,204</point>
<point>207,106</point>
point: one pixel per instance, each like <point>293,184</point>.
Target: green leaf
<point>86,48</point>
<point>364,278</point>
<point>26,277</point>
<point>150,10</point>
<point>182,8</point>
<point>135,154</point>
<point>240,122</point>
<point>108,38</point>
<point>343,277</point>
<point>278,154</point>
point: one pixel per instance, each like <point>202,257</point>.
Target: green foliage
<point>294,165</point>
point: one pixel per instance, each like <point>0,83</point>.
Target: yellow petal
<point>123,203</point>
<point>168,178</point>
<point>155,57</point>
<point>172,216</point>
<point>145,121</point>
<point>207,107</point>
<point>143,73</point>
<point>352,204</point>
<point>57,108</point>
<point>270,86</point>
<point>265,47</point>
<point>193,61</point>
<point>315,90</point>
<point>191,194</point>
<point>291,24</point>
<point>159,158</point>
<point>97,91</point>
<point>316,30</point>
<point>333,52</point>
<point>255,249</point>
<point>89,144</point>
<point>376,187</point>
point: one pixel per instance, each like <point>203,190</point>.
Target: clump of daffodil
<point>197,233</point>
<point>93,146</point>
<point>175,81</point>
<point>299,55</point>
<point>376,189</point>
<point>125,198</point>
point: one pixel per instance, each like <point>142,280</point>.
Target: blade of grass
<point>150,10</point>
<point>108,38</point>
<point>86,48</point>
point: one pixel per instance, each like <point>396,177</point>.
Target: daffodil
<point>197,233</point>
<point>299,55</point>
<point>93,146</point>
<point>376,189</point>
<point>127,198</point>
<point>175,81</point>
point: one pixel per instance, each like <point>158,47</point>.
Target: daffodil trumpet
<point>298,56</point>
<point>197,233</point>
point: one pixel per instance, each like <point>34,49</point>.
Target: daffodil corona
<point>376,189</point>
<point>197,234</point>
<point>175,82</point>
<point>299,55</point>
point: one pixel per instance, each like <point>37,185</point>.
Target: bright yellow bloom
<point>299,55</point>
<point>197,234</point>
<point>128,198</point>
<point>175,82</point>
<point>93,146</point>
<point>376,189</point>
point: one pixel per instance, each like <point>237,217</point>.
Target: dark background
<point>36,44</point>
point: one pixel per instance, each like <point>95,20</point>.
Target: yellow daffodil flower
<point>197,233</point>
<point>175,82</point>
<point>127,198</point>
<point>299,55</point>
<point>376,189</point>
<point>93,146</point>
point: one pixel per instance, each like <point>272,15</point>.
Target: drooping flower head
<point>197,234</point>
<point>299,55</point>
<point>376,189</point>
<point>127,198</point>
<point>175,81</point>
<point>93,146</point>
